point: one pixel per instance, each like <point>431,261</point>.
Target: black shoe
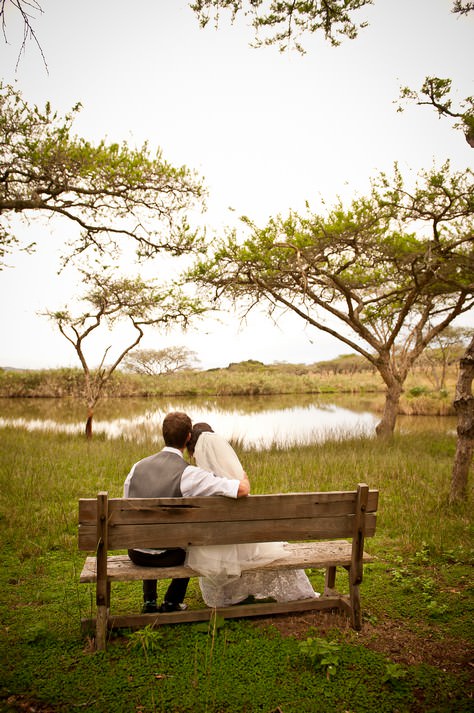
<point>150,608</point>
<point>172,606</point>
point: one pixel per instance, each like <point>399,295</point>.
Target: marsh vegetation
<point>417,595</point>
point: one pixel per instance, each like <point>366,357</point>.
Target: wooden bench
<point>317,521</point>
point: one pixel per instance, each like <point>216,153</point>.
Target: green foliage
<point>284,23</point>
<point>418,391</point>
<point>393,270</point>
<point>112,191</point>
<point>215,622</point>
<point>147,640</point>
<point>435,92</point>
<point>412,581</point>
<point>322,654</point>
<point>112,299</point>
<point>394,673</point>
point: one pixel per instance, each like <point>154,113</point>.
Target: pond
<point>257,421</point>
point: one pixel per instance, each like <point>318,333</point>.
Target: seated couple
<point>217,472</point>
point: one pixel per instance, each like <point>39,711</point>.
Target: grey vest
<point>158,476</point>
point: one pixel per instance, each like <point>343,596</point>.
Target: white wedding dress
<point>226,578</point>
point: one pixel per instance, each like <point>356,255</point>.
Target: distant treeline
<point>248,377</point>
<point>346,374</point>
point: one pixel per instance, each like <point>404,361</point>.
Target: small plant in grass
<point>423,585</point>
<point>394,674</point>
<point>436,610</point>
<point>323,654</point>
<point>214,623</point>
<point>423,555</point>
<point>147,640</point>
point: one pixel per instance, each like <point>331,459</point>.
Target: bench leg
<point>101,622</point>
<point>101,628</point>
<point>330,580</point>
<point>356,616</point>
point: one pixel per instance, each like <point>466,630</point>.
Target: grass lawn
<point>413,653</point>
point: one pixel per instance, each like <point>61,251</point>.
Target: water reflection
<point>257,422</point>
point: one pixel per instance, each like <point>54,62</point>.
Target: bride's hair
<point>197,429</point>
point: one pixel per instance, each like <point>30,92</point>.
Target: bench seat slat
<point>298,555</point>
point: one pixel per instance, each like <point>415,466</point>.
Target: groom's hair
<point>177,427</point>
<point>198,428</point>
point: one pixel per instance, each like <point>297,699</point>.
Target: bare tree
<point>26,8</point>
<point>112,299</point>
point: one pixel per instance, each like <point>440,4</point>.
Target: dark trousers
<point>161,558</point>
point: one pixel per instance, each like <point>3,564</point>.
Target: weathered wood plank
<point>137,621</point>
<point>298,555</point>
<point>213,533</point>
<point>203,509</point>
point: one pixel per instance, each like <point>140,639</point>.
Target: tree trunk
<point>386,426</point>
<point>464,407</point>
<point>90,416</point>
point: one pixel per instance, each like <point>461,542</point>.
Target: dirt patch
<point>390,638</point>
<point>21,704</point>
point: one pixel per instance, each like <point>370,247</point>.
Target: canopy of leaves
<point>284,23</point>
<point>109,191</point>
<point>142,304</point>
<point>394,269</point>
<point>110,299</point>
<point>159,361</point>
<point>281,23</point>
<point>435,92</point>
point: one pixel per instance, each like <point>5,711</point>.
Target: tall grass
<point>45,659</point>
<point>43,474</point>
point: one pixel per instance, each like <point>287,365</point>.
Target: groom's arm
<point>195,481</point>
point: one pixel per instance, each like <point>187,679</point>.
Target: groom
<point>167,475</point>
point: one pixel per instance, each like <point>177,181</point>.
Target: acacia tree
<point>112,299</point>
<point>109,191</point>
<point>445,349</point>
<point>388,286</point>
<point>283,23</point>
<point>159,361</point>
<point>435,92</point>
<point>280,23</point>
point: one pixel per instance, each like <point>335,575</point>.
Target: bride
<point>223,580</point>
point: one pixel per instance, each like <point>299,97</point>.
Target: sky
<point>267,132</point>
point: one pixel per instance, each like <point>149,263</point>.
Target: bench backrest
<point>120,523</point>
